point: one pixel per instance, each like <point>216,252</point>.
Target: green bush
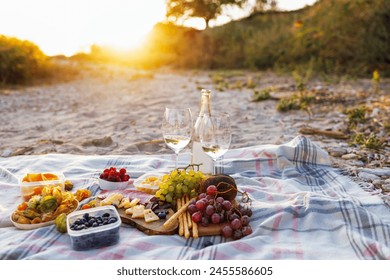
<point>20,61</point>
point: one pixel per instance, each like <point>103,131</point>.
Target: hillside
<point>331,36</point>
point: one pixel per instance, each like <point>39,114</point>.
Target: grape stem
<point>192,166</point>
<point>245,196</point>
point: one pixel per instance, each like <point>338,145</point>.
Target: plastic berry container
<point>29,189</point>
<point>91,237</point>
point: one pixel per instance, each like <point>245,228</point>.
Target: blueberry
<point>106,215</point>
<point>95,224</point>
<point>80,227</point>
<point>162,215</point>
<point>86,216</point>
<point>112,220</point>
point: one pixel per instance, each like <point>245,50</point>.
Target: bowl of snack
<point>148,183</point>
<point>33,183</point>
<point>113,179</point>
<point>43,208</point>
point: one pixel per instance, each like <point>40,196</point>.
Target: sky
<point>71,26</point>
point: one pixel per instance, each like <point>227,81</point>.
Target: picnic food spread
<point>184,201</point>
<point>299,208</point>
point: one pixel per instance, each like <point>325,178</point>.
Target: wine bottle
<point>198,155</point>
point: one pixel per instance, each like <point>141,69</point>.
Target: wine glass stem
<point>214,166</point>
<point>176,159</point>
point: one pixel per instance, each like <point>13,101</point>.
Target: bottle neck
<point>205,103</point>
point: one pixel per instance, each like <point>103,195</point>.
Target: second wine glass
<point>215,136</point>
<point>177,129</point>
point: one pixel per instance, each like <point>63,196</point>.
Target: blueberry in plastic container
<point>94,228</point>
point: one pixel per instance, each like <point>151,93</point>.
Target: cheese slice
<point>134,202</point>
<point>129,211</point>
<point>124,203</point>
<point>112,199</point>
<point>150,216</point>
<point>138,211</point>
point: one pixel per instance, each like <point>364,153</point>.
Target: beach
<point>116,110</point>
<point>119,114</point>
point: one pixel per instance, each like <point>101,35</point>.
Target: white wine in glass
<point>215,136</point>
<point>177,129</point>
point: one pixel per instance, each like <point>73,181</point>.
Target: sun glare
<point>70,26</point>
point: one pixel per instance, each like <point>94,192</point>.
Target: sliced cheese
<point>138,212</point>
<point>124,202</point>
<point>129,211</point>
<point>112,199</point>
<point>150,216</point>
<point>134,202</point>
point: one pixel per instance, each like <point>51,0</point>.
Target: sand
<point>117,114</point>
<point>119,111</point>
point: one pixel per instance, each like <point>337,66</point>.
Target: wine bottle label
<point>200,157</point>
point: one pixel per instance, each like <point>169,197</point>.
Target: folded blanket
<point>302,209</point>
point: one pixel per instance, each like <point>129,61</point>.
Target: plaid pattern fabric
<point>302,209</point>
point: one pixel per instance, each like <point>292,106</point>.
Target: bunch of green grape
<point>178,183</point>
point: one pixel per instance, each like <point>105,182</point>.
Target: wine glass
<point>177,129</point>
<point>215,136</point>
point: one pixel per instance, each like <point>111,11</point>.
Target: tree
<point>206,9</point>
<point>265,5</point>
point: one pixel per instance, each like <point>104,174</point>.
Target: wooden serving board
<point>152,228</point>
<point>211,229</point>
<point>157,228</point>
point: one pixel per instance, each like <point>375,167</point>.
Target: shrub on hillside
<point>20,61</point>
<point>333,36</point>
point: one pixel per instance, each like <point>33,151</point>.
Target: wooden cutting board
<point>157,228</point>
<point>152,228</point>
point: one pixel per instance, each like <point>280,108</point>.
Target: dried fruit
<point>60,223</point>
<point>48,204</point>
<point>68,185</point>
<point>82,194</point>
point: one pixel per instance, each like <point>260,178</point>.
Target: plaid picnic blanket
<point>302,209</point>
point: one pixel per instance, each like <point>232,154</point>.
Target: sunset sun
<point>68,27</point>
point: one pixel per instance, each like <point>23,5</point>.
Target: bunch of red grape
<point>112,175</point>
<point>211,208</point>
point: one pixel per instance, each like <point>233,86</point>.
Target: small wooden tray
<point>152,228</point>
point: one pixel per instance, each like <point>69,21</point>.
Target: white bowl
<point>39,225</point>
<point>140,184</point>
<point>107,185</point>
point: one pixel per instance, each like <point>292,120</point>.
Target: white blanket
<point>302,209</point>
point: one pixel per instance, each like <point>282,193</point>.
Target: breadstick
<point>195,233</point>
<point>181,224</point>
<point>171,221</point>
<point>189,219</point>
<point>185,222</point>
